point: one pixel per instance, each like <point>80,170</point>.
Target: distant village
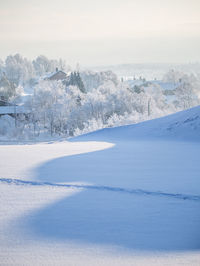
<point>13,109</point>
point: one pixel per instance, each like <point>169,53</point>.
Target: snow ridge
<point>103,188</point>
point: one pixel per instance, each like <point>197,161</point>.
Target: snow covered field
<point>121,196</point>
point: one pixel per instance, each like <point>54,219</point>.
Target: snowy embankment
<point>119,196</point>
<point>184,126</point>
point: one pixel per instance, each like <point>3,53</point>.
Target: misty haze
<point>99,132</point>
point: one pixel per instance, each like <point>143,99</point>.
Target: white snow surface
<point>120,196</point>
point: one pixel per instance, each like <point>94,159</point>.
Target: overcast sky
<point>100,32</point>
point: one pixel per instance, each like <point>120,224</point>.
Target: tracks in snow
<point>104,188</point>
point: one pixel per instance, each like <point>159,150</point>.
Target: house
<point>3,101</point>
<point>14,110</point>
<point>57,75</point>
<point>71,78</point>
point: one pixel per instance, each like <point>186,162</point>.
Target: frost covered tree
<point>156,103</point>
<point>7,88</point>
<point>92,80</point>
<point>88,100</point>
<point>188,92</point>
<point>173,76</point>
<point>53,106</point>
<point>43,65</point>
<point>18,70</point>
<point>75,80</point>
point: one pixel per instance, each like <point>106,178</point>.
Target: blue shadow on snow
<point>128,221</point>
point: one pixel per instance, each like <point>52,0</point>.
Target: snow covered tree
<point>7,88</point>
<point>75,80</point>
<point>43,65</point>
<point>18,70</point>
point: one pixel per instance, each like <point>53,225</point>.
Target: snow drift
<point>88,202</point>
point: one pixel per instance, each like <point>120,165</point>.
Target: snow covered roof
<point>4,103</point>
<point>165,85</point>
<point>59,74</point>
<point>48,75</point>
<point>13,110</point>
<point>162,84</point>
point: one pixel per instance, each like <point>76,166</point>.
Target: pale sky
<point>102,32</point>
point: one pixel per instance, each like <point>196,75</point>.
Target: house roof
<point>5,110</point>
<point>4,103</point>
<point>52,74</point>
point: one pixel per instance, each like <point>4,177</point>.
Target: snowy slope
<point>184,125</point>
<point>120,196</point>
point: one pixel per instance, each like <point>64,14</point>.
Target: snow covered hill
<point>184,125</point>
<point>120,196</point>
